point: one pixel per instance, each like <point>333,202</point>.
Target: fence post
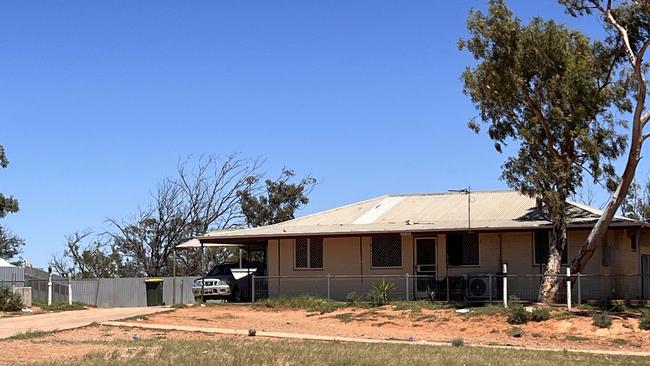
<point>253,289</point>
<point>182,293</point>
<point>490,287</point>
<point>505,285</point>
<point>70,288</point>
<point>49,289</point>
<point>568,288</point>
<point>13,281</point>
<point>407,286</point>
<point>579,289</point>
<point>329,278</point>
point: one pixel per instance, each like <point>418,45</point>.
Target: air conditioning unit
<point>477,287</point>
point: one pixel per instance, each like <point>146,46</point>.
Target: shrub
<point>540,314</point>
<point>457,342</point>
<point>644,322</point>
<point>516,312</point>
<point>9,300</point>
<point>353,299</point>
<point>383,289</point>
<point>431,294</point>
<point>602,320</point>
<point>516,332</point>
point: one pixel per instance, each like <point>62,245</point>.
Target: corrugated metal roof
<point>495,210</point>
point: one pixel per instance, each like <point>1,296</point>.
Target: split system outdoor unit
<point>478,287</point>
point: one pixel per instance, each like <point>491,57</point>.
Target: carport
<point>247,251</point>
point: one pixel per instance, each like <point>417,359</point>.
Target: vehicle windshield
<point>220,270</point>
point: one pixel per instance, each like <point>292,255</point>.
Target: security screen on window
<point>462,249</point>
<point>387,251</point>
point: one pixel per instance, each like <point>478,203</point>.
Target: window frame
<point>309,267</point>
<point>478,245</point>
<point>534,251</point>
<point>401,251</point>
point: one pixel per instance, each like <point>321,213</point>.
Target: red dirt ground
<point>432,325</point>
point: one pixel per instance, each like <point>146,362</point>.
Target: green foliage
<point>354,299</point>
<point>382,290</point>
<point>602,320</point>
<point>30,334</point>
<point>430,294</point>
<point>644,322</point>
<point>303,302</point>
<point>515,332</point>
<point>551,93</point>
<point>516,312</point>
<point>457,342</point>
<point>10,244</point>
<point>10,301</point>
<point>540,314</point>
<point>279,202</point>
<point>637,201</point>
<point>59,305</point>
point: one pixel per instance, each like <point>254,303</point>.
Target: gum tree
<point>627,24</point>
<point>10,244</point>
<point>550,92</point>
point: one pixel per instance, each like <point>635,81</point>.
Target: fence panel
<point>9,274</point>
<point>466,288</point>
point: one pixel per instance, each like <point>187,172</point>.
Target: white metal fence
<point>493,288</point>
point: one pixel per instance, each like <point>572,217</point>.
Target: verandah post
<point>407,286</point>
<point>329,278</point>
<point>505,285</point>
<point>253,289</point>
<point>579,288</point>
<point>568,288</point>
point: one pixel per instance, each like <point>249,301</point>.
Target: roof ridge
<point>450,193</point>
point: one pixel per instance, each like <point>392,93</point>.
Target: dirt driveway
<point>68,319</point>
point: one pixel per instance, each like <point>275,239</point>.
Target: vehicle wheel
<point>236,295</point>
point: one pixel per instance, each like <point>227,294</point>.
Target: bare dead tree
<point>202,197</point>
<point>98,258</point>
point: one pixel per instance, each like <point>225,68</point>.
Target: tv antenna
<point>468,192</point>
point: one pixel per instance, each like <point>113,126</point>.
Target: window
<point>633,241</point>
<point>541,240</point>
<point>462,249</point>
<point>309,253</point>
<point>387,251</point>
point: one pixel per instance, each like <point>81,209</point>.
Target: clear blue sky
<point>99,100</point>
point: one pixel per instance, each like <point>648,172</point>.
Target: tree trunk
<point>557,245</point>
<point>598,232</point>
<point>639,119</point>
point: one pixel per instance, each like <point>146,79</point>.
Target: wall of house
<point>351,256</point>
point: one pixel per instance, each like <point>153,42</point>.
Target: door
<point>425,265</point>
<point>645,276</point>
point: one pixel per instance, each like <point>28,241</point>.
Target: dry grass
<point>238,351</point>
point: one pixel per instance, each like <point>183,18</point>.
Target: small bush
<point>602,320</point>
<point>9,300</point>
<point>516,332</point>
<point>304,302</point>
<point>540,315</point>
<point>383,289</point>
<point>60,306</point>
<point>457,342</point>
<point>516,312</point>
<point>353,299</point>
<point>644,322</point>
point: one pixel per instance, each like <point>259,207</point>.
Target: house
<point>452,242</point>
